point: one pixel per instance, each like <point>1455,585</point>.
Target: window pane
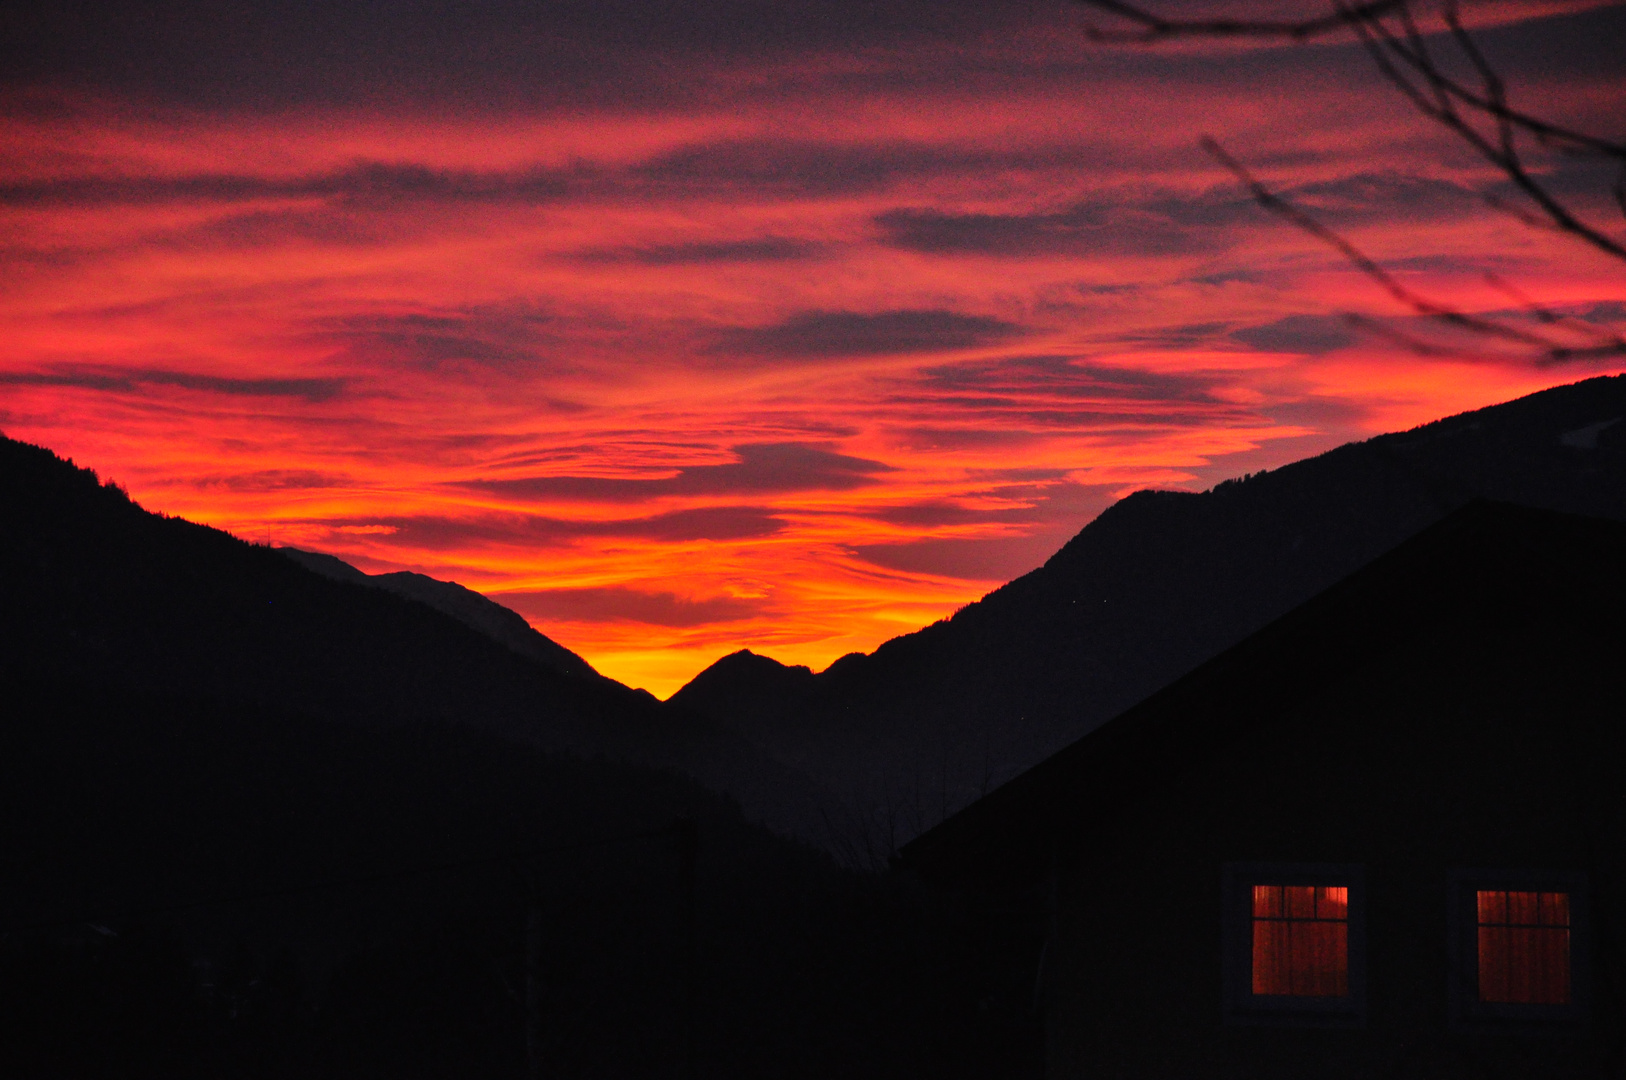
<point>1300,941</point>
<point>1271,972</point>
<point>1300,901</point>
<point>1522,908</point>
<point>1320,959</point>
<point>1555,909</point>
<point>1524,948</point>
<point>1332,902</point>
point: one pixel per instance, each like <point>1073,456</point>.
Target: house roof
<point>1489,567</point>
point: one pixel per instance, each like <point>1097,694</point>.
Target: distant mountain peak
<point>744,666</point>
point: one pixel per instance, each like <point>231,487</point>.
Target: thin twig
<point>1154,28</point>
<point>1549,358</point>
<point>1406,60</point>
<point>1606,338</point>
<point>1381,42</point>
<point>1518,213</point>
<point>1400,337</point>
<point>1361,261</point>
<point>1554,351</point>
<point>1439,96</point>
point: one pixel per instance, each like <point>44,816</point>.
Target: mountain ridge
<point>462,603</point>
<point>257,821</point>
<point>1157,583</point>
<point>95,589</point>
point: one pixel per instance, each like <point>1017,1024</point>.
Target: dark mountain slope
<point>461,603</point>
<point>202,888</point>
<point>95,589</point>
<point>1155,585</point>
<point>231,795</point>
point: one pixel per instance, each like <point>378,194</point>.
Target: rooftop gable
<point>1489,567</point>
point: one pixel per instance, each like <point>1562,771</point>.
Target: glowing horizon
<point>798,358</point>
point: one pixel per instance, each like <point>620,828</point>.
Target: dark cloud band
<point>761,468</point>
<point>131,380</point>
<point>621,604</point>
<point>812,335</point>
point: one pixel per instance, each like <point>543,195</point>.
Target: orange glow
<point>1300,941</point>
<point>1524,947</point>
<point>800,365</point>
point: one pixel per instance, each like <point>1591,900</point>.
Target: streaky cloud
<point>999,558</point>
<point>1059,375</point>
<point>443,533</point>
<point>367,183</point>
<point>761,468</point>
<point>132,380</point>
<point>1082,229</point>
<point>816,335</point>
<point>626,604</point>
<point>436,339</point>
<point>789,166</point>
<point>706,252</point>
<point>1309,334</point>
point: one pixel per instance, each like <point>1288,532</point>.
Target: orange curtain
<point>1524,947</point>
<point>1301,940</point>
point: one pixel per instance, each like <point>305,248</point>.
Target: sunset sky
<point>688,328</point>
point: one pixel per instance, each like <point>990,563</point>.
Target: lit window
<point>1294,941</point>
<point>1301,940</point>
<point>1524,947</point>
<point>1519,949</point>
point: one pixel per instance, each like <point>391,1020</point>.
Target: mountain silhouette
<point>94,589</point>
<point>1158,583</point>
<point>257,821</point>
<point>204,888</point>
<point>468,607</point>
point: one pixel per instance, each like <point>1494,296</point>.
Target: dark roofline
<point>1007,834</point>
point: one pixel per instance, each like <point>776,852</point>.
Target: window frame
<point>1241,1006</point>
<point>1467,1012</point>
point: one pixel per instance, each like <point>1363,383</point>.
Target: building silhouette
<point>1383,836</point>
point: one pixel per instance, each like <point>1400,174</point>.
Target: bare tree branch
<point>1154,28</point>
<point>1402,54</point>
<point>1381,43</point>
<point>1519,213</point>
<point>1363,262</point>
<point>1439,96</point>
<point>1474,324</point>
<point>1601,337</point>
<point>1557,355</point>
